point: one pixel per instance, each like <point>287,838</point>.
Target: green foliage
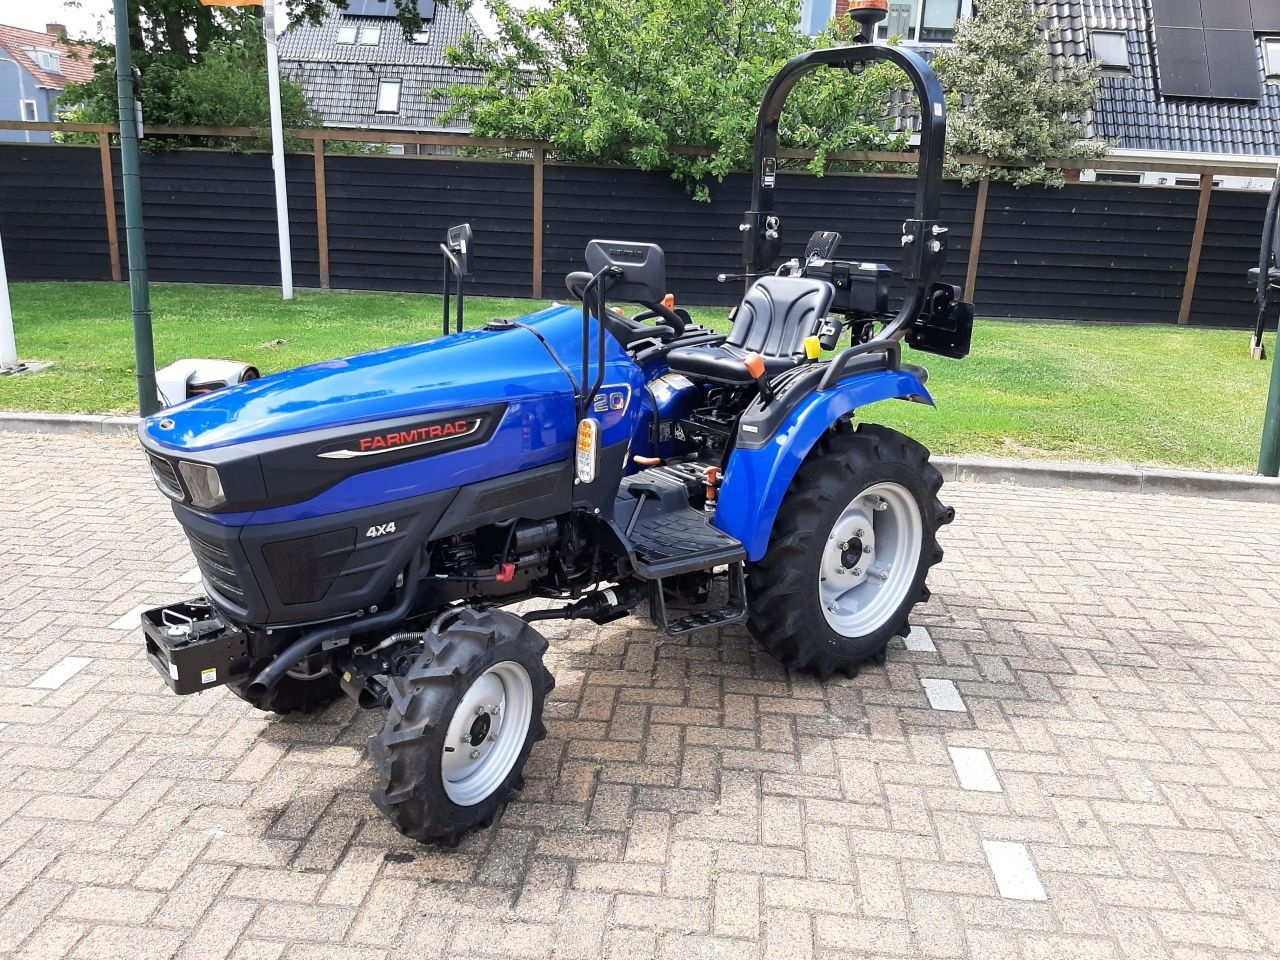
<point>640,81</point>
<point>1009,102</point>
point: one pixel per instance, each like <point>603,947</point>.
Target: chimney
<point>57,29</point>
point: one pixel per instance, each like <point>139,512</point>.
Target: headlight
<point>204,485</point>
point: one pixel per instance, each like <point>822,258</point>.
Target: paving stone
<point>694,800</point>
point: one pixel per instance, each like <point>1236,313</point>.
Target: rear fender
<point>756,480</point>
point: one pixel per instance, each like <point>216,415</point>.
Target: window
<point>369,36</point>
<point>422,36</point>
<point>346,34</point>
<point>30,112</point>
<point>1111,49</point>
<point>49,60</point>
<point>1271,56</point>
<point>388,96</point>
<point>1114,176</point>
<point>924,21</point>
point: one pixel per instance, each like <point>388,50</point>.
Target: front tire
<point>850,551</point>
<point>463,719</point>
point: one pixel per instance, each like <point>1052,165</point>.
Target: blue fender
<point>755,481</point>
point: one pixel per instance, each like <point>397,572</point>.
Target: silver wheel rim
<point>869,561</point>
<point>487,733</point>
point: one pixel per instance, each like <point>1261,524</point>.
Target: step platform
<point>667,537</point>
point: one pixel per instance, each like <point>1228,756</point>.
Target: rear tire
<point>850,551</point>
<point>463,719</point>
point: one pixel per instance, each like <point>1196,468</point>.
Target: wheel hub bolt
<point>882,505</point>
<point>497,709</point>
<point>839,569</point>
<point>480,711</point>
<point>859,534</point>
<point>475,754</point>
<point>843,544</point>
<point>867,548</point>
<point>856,572</point>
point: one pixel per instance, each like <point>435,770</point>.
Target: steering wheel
<point>630,330</point>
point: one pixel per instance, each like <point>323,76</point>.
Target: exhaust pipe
<point>308,643</point>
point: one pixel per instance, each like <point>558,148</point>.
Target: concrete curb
<point>1026,473</point>
<point>67,424</point>
<point>1120,479</point>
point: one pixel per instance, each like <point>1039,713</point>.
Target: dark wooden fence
<point>1100,252</point>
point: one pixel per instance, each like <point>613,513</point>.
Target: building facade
<point>35,68</point>
<point>358,69</point>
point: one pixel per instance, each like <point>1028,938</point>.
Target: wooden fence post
<point>322,212</point>
<point>975,242</point>
<point>539,155</point>
<point>1197,248</point>
<point>109,199</point>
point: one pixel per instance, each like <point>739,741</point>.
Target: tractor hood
<point>476,367</point>
<point>468,406</point>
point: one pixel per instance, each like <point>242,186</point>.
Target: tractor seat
<point>773,320</point>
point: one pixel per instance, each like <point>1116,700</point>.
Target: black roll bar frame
<point>924,239</point>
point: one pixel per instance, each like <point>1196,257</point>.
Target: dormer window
<point>49,60</point>
<point>1111,49</point>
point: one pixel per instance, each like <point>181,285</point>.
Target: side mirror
<point>642,267</point>
<point>458,240</point>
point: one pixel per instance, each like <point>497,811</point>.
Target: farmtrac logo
<point>392,440</point>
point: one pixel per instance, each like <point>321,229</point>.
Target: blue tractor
<point>361,524</point>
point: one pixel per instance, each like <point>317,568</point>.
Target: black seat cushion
<point>774,319</point>
<point>722,363</point>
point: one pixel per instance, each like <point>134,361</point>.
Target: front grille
<point>304,569</point>
<point>166,477</point>
<point>216,567</point>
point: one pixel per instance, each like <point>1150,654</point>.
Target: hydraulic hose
<point>309,642</point>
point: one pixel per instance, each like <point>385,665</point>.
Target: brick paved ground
<point>1114,658</point>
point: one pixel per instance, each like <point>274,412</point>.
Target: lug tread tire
<point>785,614</point>
<point>407,753</point>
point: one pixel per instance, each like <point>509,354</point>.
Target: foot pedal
<point>734,612</point>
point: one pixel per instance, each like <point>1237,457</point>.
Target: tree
<point>638,81</point>
<point>201,66</point>
<point>1010,102</point>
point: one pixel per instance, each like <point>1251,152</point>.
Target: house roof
<point>340,80</point>
<point>1131,111</point>
<point>74,58</point>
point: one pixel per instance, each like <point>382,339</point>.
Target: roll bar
<point>924,240</point>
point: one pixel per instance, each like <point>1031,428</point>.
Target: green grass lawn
<point>1149,395</point>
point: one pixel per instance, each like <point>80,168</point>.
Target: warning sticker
<point>173,671</point>
<point>209,675</point>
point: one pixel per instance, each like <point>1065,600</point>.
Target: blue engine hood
<point>477,367</point>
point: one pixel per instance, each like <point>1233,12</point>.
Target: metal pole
<point>277,149</point>
<point>8,346</point>
<point>1269,461</point>
<point>139,293</point>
